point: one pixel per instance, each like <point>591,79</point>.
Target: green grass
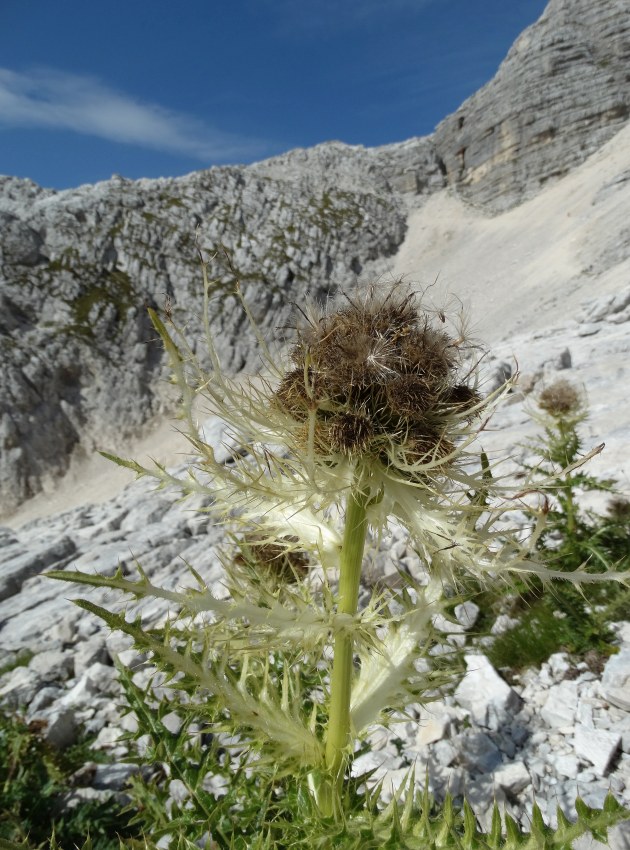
<point>33,779</point>
<point>22,659</point>
<point>550,624</point>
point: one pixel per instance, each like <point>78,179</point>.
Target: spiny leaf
<point>9,845</point>
<point>496,828</point>
<point>563,821</point>
<point>583,811</point>
<point>409,799</point>
<point>470,824</point>
<point>194,601</point>
<point>263,713</point>
<point>448,814</point>
<point>128,464</point>
<point>513,833</point>
<point>612,806</point>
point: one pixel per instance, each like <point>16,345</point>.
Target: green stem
<point>567,440</point>
<point>570,511</point>
<point>338,732</point>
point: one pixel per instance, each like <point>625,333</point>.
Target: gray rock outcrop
<point>561,92</point>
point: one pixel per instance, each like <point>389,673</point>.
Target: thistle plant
<point>372,417</point>
<point>560,616</point>
<point>561,409</point>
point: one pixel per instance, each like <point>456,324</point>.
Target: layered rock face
<point>562,91</point>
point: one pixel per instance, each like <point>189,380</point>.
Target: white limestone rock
<point>513,777</point>
<point>44,698</point>
<point>26,563</point>
<point>434,723</point>
<point>485,694</point>
<point>52,665</point>
<point>98,679</point>
<point>380,762</point>
<point>566,765</point>
<point>561,705</point>
<point>502,624</point>
<point>89,652</point>
<point>482,796</point>
<point>616,679</point>
<point>112,777</point>
<point>596,746</point>
<point>477,752</point>
<point>623,727</point>
<point>61,729</point>
<point>110,740</point>
<point>19,686</point>
<point>467,614</point>
<point>444,753</point>
<point>559,665</point>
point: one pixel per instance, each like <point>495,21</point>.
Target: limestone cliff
<point>562,91</point>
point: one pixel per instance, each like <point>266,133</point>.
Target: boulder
<point>597,746</point>
<point>616,679</point>
<point>488,697</point>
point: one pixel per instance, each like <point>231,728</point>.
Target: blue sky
<point>149,88</point>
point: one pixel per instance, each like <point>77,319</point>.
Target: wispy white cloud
<point>55,99</point>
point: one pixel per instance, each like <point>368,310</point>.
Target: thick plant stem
<point>338,732</point>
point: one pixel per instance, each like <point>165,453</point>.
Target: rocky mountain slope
<point>78,267</point>
<point>546,286</point>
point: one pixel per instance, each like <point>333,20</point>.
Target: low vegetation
<point>35,782</point>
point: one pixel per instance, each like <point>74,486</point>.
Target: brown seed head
<point>299,392</point>
<point>379,375</point>
<point>350,433</point>
<point>560,399</point>
<point>277,560</point>
<point>618,509</point>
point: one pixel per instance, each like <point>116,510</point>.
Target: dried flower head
<point>376,380</point>
<point>378,407</point>
<point>279,560</point>
<point>560,399</point>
